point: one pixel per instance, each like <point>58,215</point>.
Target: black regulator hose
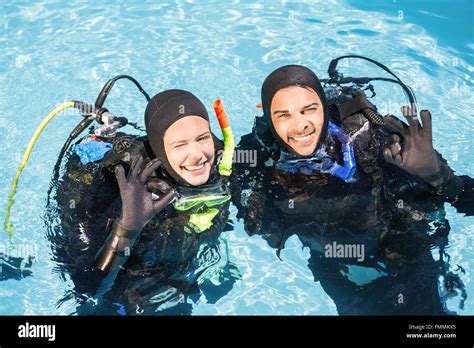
<point>335,77</point>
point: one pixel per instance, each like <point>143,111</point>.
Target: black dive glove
<point>139,206</point>
<point>414,152</point>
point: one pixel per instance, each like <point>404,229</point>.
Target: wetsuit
<point>396,216</point>
<point>166,261</point>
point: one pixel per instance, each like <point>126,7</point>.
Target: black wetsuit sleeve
<point>85,200</point>
<point>114,253</point>
<point>97,271</point>
<point>249,163</point>
<point>465,201</point>
<point>456,190</point>
<point>250,196</point>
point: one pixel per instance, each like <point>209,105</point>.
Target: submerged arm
<point>138,208</point>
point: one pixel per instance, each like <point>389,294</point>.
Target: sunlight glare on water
<point>59,51</point>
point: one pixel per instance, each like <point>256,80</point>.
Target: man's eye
<point>179,146</point>
<point>283,115</point>
<point>309,110</point>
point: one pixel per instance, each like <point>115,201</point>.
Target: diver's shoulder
<point>91,161</point>
<point>125,148</point>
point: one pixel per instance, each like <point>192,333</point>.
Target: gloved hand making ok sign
<point>138,208</point>
<point>412,148</point>
<point>139,205</point>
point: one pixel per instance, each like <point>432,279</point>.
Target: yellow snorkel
<point>201,221</point>
<point>225,165</point>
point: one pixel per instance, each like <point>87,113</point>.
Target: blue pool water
<point>57,51</point>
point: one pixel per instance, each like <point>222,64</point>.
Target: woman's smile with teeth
<point>194,167</point>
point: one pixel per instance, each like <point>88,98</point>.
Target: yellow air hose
<point>7,225</point>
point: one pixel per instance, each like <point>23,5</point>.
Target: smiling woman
<point>179,133</point>
<point>190,149</point>
<point>135,184</point>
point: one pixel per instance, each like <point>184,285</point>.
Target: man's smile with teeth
<point>303,137</point>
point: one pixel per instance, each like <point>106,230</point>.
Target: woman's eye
<point>179,146</point>
<point>203,139</point>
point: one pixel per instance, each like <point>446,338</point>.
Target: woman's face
<point>189,148</point>
<point>297,115</point>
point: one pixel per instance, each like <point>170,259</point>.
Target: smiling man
<point>297,113</point>
<point>299,122</point>
<point>294,110</point>
<point>333,177</point>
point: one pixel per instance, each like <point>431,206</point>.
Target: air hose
<point>7,225</point>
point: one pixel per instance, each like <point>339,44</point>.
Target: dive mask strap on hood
<point>320,161</point>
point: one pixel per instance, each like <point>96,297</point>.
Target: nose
<point>195,153</point>
<point>300,123</point>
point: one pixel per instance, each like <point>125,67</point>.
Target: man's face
<point>297,115</point>
<point>189,148</point>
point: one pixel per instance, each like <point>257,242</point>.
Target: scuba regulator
<point>108,125</point>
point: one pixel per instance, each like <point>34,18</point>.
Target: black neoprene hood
<point>292,75</point>
<point>162,111</point>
